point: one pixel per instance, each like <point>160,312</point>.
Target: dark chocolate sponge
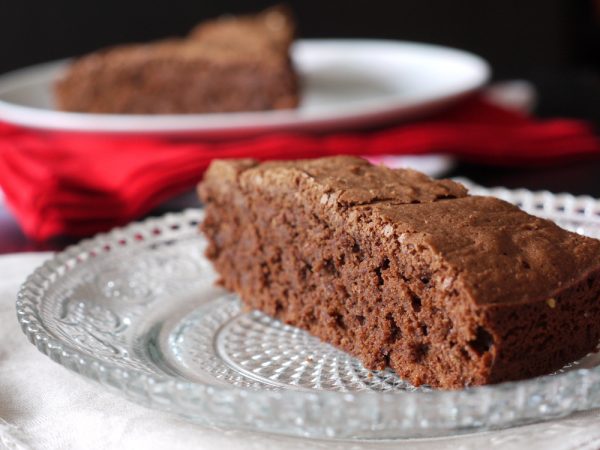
<point>447,289</point>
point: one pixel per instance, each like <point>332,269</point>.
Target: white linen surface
<point>44,406</point>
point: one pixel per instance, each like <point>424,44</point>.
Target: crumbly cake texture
<point>400,270</point>
<point>225,65</point>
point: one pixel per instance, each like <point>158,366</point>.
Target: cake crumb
<point>388,230</point>
<point>551,302</point>
<point>447,282</point>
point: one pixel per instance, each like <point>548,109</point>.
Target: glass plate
<point>136,311</point>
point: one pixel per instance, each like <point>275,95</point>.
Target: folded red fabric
<point>78,184</point>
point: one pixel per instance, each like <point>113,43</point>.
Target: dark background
<point>512,34</point>
<point>555,44</point>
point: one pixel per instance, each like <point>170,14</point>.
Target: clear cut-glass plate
<point>136,310</point>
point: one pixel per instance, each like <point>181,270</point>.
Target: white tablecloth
<point>44,406</point>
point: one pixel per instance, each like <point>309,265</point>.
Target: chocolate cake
<point>226,65</point>
<point>447,289</point>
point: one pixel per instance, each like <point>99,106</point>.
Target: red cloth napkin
<point>78,184</point>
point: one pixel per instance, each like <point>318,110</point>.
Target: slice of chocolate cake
<point>225,65</point>
<point>447,289</point>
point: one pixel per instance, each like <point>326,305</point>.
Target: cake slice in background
<point>225,65</point>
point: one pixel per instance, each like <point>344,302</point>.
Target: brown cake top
<point>274,28</point>
<point>261,39</point>
<point>499,253</point>
<point>347,180</point>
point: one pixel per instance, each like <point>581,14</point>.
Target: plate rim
<point>151,389</point>
<point>245,123</point>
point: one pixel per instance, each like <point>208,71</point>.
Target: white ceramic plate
<point>346,83</point>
